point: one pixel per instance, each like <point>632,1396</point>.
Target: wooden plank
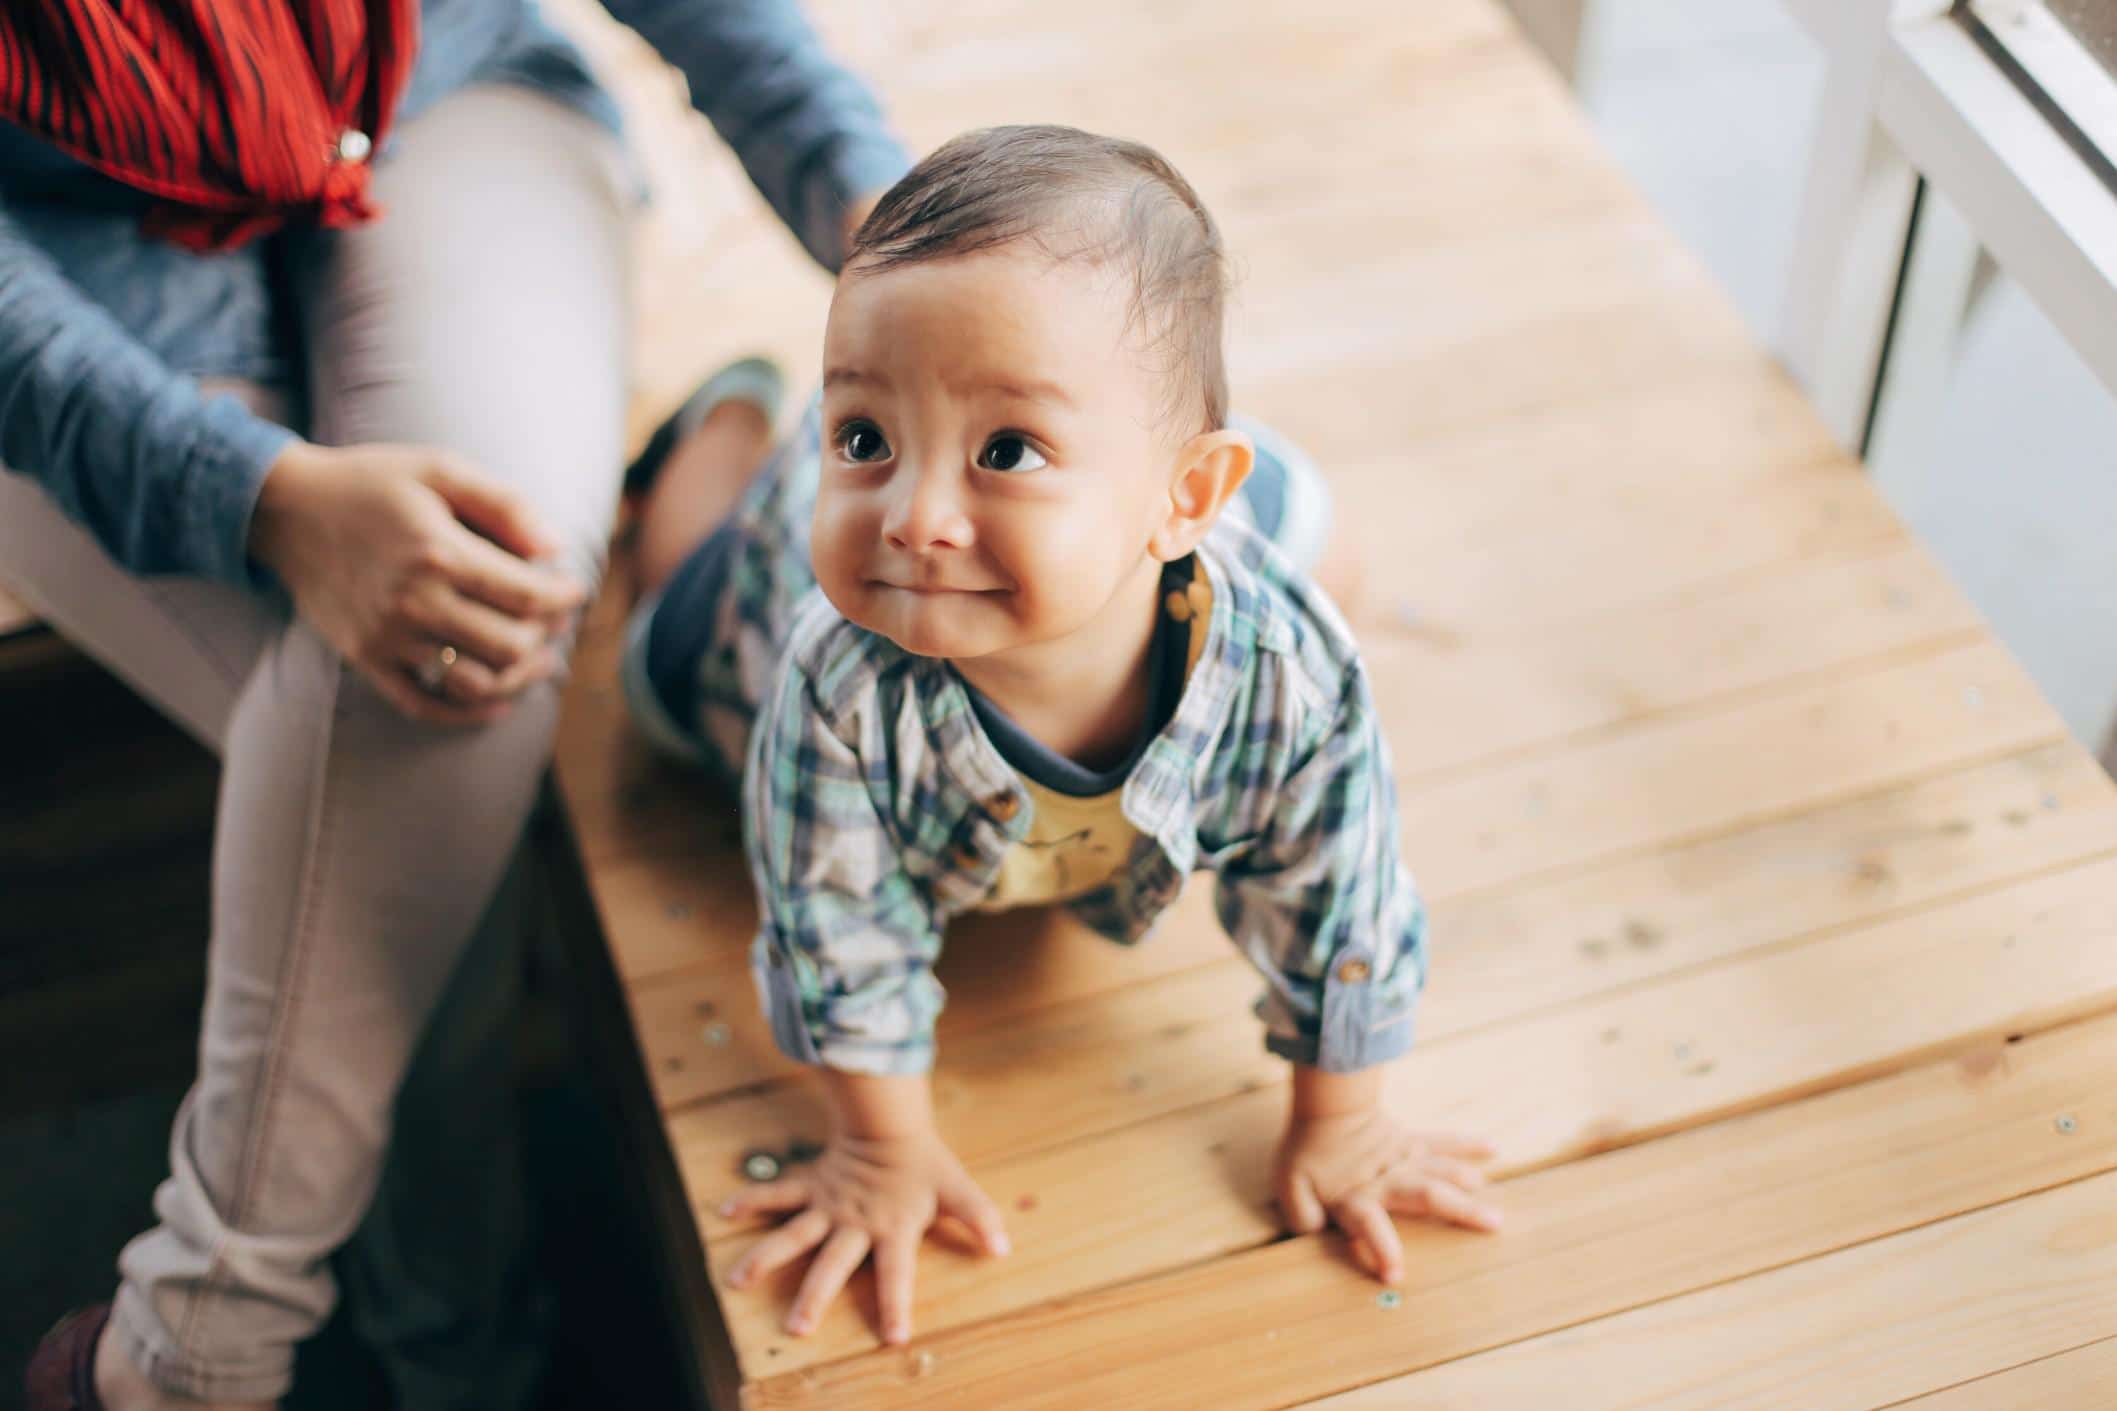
<point>759,282</point>
<point>1783,1020</point>
<point>1014,64</point>
<point>1705,428</point>
<point>1567,562</point>
<point>1296,1319</point>
<point>627,803</point>
<point>693,919</point>
<point>667,913</point>
<point>1499,172</point>
<point>1481,695</point>
<point>1469,110</point>
<point>941,44</point>
<point>1503,277</point>
<point>1450,700</point>
<point>1475,483</point>
<point>1682,777</point>
<point>1535,947</point>
<point>1860,1328</point>
<point>630,804</point>
<point>996,969</point>
<point>1521,371</point>
<point>1607,1072</point>
<point>1359,306</point>
<point>1497,955</point>
<point>2079,1380</point>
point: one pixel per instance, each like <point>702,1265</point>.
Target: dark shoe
<point>62,1371</point>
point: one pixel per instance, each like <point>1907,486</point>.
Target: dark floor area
<point>105,818</point>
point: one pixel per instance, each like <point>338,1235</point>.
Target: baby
<point>1018,616</point>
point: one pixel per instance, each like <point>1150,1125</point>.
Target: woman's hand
<point>1354,1168</point>
<point>864,1193</point>
<point>394,552</point>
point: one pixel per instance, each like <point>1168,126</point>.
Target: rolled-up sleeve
<point>1322,904</point>
<point>808,130</point>
<point>162,475</point>
<point>846,940</point>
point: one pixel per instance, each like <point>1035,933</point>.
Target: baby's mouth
<point>926,584</point>
<point>931,590</point>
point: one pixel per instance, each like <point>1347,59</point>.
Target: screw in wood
<point>1388,1298</point>
<point>760,1166</point>
<point>2066,1125</point>
<point>716,1035</point>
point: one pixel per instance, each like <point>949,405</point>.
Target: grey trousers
<point>355,851</point>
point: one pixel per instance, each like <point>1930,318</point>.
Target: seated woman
<point>313,334</point>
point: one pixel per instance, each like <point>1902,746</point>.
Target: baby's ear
<point>1210,469</point>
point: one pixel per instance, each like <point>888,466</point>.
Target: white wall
<point>1709,107</point>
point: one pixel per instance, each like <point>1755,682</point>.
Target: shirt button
<point>1004,807</point>
<point>1354,972</point>
<point>354,145</point>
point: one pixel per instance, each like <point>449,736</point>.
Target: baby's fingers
<point>1298,1203</point>
<point>1456,1144</point>
<point>1443,1201</point>
<point>976,1209</point>
<point>788,1193</point>
<point>1374,1237</point>
<point>1457,1173</point>
<point>842,1254</point>
<point>783,1246</point>
<point>896,1260</point>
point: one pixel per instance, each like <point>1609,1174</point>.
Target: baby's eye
<point>860,441</point>
<point>1010,452</point>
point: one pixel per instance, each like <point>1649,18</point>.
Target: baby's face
<point>995,457</point>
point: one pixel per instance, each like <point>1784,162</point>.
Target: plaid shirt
<point>875,809</point>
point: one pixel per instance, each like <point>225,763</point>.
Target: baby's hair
<point>1077,196</point>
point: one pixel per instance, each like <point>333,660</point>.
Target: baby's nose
<point>928,515</point>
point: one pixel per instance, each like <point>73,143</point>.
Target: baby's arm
<point>1323,905</point>
<point>844,957</point>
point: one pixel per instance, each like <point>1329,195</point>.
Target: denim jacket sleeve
<point>163,476</point>
<point>847,939</point>
<point>808,130</point>
<point>1322,904</point>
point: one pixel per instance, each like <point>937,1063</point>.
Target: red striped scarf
<point>230,111</point>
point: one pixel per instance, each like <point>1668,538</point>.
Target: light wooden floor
<point>1775,917</point>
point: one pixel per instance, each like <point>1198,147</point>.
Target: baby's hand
<point>1356,1167</point>
<point>863,1194</point>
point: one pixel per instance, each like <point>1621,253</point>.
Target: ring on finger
<point>433,672</point>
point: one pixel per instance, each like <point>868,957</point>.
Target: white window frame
<point>2058,64</point>
<point>1927,152</point>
